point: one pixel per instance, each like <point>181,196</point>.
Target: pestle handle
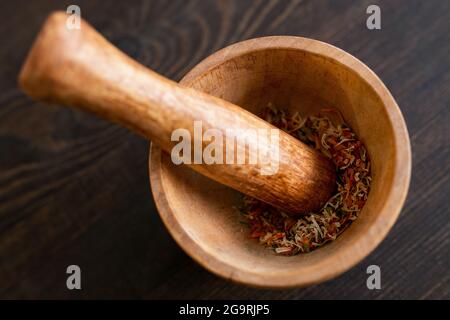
<point>81,69</point>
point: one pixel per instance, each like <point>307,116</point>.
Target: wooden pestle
<point>80,68</point>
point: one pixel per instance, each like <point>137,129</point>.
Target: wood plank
<point>61,170</point>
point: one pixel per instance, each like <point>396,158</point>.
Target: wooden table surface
<point>75,190</point>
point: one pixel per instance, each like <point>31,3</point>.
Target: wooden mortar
<point>303,75</point>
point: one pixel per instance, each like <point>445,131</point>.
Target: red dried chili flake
<point>289,236</point>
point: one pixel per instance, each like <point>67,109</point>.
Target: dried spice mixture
<point>290,236</point>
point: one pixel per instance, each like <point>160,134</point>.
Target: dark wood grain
<point>62,171</point>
